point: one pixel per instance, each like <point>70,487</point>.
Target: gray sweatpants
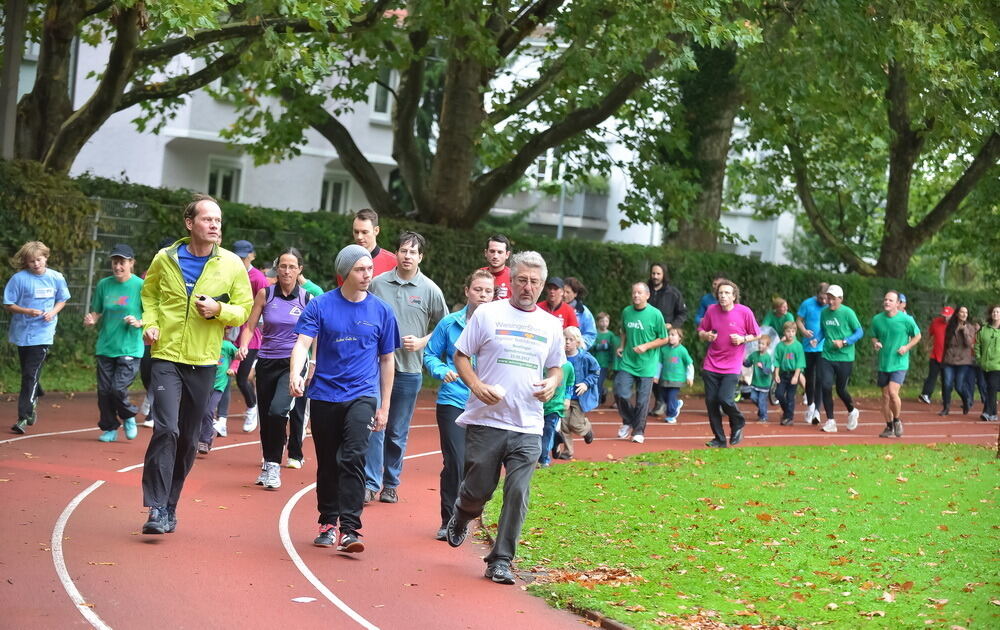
<point>486,450</point>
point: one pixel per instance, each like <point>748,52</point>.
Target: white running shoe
<point>220,426</point>
<point>272,475</point>
<point>830,426</point>
<point>293,463</point>
<point>262,477</point>
<point>624,431</point>
<point>680,405</point>
<point>852,419</point>
<point>639,438</point>
<point>810,413</point>
<point>250,420</point>
<point>148,424</point>
<point>670,420</point>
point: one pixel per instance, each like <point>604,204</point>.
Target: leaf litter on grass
<point>734,534</point>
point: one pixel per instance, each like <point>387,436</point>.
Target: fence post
<point>93,258</point>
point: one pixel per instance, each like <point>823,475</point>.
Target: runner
<point>959,338</point>
<point>366,229</point>
<point>145,366</point>
<point>192,291</point>
<point>935,338</point>
<point>894,333</point>
<point>116,308</point>
<point>668,299</point>
<point>418,305</point>
<point>808,320</point>
<point>644,332</point>
<point>497,252</point>
<point>573,294</point>
<point>727,327</point>
<point>280,305</point>
<point>355,334</point>
<point>708,299</point>
<point>34,296</point>
<point>248,352</point>
<point>439,359</point>
<point>841,329</point>
<point>519,354</point>
<point>554,304</point>
<point>988,355</point>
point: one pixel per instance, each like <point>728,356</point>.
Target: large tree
<point>157,52</point>
<point>501,82</point>
<point>879,118</point>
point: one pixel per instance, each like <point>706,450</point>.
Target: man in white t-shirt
<point>519,356</point>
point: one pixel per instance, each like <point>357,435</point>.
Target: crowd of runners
<point>521,362</point>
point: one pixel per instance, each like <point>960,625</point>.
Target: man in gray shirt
<point>418,305</point>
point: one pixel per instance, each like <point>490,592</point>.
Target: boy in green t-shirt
<point>222,374</point>
<point>604,350</point>
<point>790,359</point>
<point>894,333</point>
<point>676,369</point>
<point>763,374</point>
<point>553,412</point>
<point>644,332</point>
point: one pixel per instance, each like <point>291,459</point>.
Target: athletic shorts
<point>884,378</point>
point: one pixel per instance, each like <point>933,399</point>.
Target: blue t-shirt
<point>191,266</point>
<point>809,311</point>
<point>350,337</point>
<point>29,290</point>
<point>706,300</point>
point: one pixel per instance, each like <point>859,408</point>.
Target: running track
<point>72,556</point>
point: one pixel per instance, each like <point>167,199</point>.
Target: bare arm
<point>247,333</point>
<point>387,371</point>
<point>300,352</point>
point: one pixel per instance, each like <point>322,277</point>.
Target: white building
<point>189,153</point>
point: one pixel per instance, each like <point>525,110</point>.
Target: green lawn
<point>904,536</point>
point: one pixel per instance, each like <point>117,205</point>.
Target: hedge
<point>607,269</point>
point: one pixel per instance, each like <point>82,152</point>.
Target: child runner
<point>894,333</point>
<point>763,374</point>
<point>583,394</point>
<point>790,359</point>
<point>603,350</point>
<point>34,295</point>
<point>117,309</point>
<point>777,316</point>
<point>224,370</point>
<point>677,368</point>
<point>553,412</point>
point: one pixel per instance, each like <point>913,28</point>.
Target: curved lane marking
<point>300,564</point>
<point>38,435</point>
<point>57,558</point>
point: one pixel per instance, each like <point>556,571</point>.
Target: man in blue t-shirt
<point>807,319</point>
<point>355,334</point>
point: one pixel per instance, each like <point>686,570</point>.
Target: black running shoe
<point>500,572</point>
<point>327,535</point>
<point>157,523</point>
<point>349,543</point>
<point>457,530</point>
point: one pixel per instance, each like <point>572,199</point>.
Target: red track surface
<point>226,566</point>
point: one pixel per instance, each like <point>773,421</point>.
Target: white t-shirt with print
<point>513,349</point>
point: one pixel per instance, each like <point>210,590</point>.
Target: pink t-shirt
<point>722,356</point>
<point>258,281</point>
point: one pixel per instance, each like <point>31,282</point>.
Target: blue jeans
<point>959,377</point>
<point>670,396</point>
<point>761,400</point>
<point>786,395</point>
<point>602,379</point>
<point>548,437</point>
<point>384,461</point>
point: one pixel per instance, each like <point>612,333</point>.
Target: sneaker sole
<point>354,547</point>
<point>153,530</point>
<point>317,543</point>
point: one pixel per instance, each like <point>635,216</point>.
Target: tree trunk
<point>711,97</point>
<point>462,114</point>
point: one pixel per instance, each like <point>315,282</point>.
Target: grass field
<point>903,536</point>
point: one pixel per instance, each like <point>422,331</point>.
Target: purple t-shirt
<point>280,315</point>
<point>722,356</point>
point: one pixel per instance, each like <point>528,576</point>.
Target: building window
<point>224,179</point>
<point>381,95</point>
<point>333,197</point>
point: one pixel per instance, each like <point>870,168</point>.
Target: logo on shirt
<point>295,310</point>
<point>45,292</point>
<point>521,333</point>
<point>122,300</point>
<point>363,322</point>
<point>636,325</point>
<point>413,300</point>
<point>675,360</point>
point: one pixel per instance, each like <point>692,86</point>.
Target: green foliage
<point>856,536</point>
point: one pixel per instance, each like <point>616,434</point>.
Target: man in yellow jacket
<point>193,290</point>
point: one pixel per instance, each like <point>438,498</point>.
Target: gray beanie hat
<point>348,256</point>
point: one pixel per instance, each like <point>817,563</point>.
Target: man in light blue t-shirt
<point>807,319</point>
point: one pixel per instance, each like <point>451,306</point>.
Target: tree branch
<point>405,149</point>
<point>252,26</point>
<point>99,7</point>
<point>489,186</point>
<point>985,160</point>
<point>523,25</point>
<point>804,188</point>
<point>533,91</point>
<point>178,86</point>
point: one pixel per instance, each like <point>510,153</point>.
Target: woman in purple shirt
<point>727,326</point>
<point>280,304</point>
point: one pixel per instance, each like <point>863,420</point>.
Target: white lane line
<point>38,435</point>
<point>286,541</point>
<point>60,562</point>
<point>214,448</point>
<point>797,436</point>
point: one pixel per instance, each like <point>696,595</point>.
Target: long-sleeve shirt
<point>439,358</point>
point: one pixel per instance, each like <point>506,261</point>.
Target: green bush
<point>607,269</point>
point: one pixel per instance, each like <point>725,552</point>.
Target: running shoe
<point>108,436</point>
<point>148,424</point>
<point>262,477</point>
<point>852,419</point>
<point>638,438</point>
<point>327,535</point>
<point>457,529</point>
<point>350,543</point>
<point>388,495</point>
<point>294,463</point>
<point>887,431</point>
<point>588,438</point>
<point>203,448</point>
<point>924,398</point>
<point>830,426</point>
<point>499,571</point>
<point>272,475</point>
<point>19,427</point>
<point>250,419</point>
<point>131,431</point>
<point>897,427</point>
<point>157,522</point>
<point>624,431</point>
<point>220,426</point>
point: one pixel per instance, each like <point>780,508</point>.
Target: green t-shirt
<point>790,356</point>
<point>838,324</point>
<point>674,361</point>
<point>777,323</point>
<point>114,301</point>
<point>894,333</point>
<point>221,378</point>
<point>641,327</point>
<point>605,348</point>
<point>312,288</point>
<point>563,392</point>
<point>763,369</point>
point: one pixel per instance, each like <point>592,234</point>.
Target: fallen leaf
<point>799,597</point>
<point>901,479</point>
<point>943,528</point>
<point>874,613</point>
<point>636,608</point>
<point>104,564</point>
<point>852,491</point>
<point>724,486</point>
<point>832,606</point>
<point>887,597</point>
<point>765,517</point>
